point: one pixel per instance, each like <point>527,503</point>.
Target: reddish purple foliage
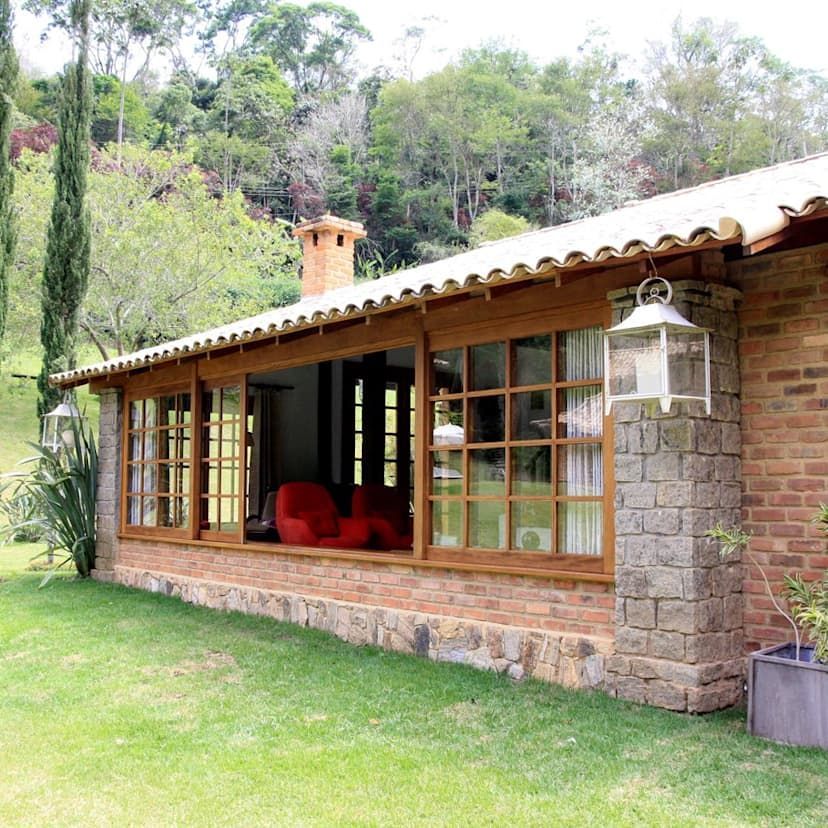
<point>40,138</point>
<point>307,203</point>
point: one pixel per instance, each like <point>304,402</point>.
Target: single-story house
<point>423,462</point>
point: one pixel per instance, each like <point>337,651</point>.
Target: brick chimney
<point>327,253</point>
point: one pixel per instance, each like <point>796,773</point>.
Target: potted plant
<point>788,683</point>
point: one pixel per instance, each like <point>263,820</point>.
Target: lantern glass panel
<point>686,363</point>
<point>635,364</point>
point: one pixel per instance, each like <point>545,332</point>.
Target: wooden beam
<point>768,242</point>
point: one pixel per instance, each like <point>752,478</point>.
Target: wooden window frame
<point>156,392</point>
<point>466,338</point>
<point>202,496</point>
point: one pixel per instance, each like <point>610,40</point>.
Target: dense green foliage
<point>8,224</point>
<point>208,718</point>
<point>66,270</point>
<point>491,143</point>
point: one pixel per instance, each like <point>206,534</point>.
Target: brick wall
<point>783,333</point>
<point>559,630</point>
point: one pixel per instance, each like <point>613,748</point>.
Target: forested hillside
<point>197,177</point>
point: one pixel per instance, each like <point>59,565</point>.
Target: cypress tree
<point>66,270</point>
<point>8,224</point>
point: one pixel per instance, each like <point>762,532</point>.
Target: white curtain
<point>581,474</point>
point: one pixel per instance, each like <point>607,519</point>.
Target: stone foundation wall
<point>570,660</point>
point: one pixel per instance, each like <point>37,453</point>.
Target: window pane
<point>133,510</point>
<point>150,413</point>
<point>447,472</point>
<point>447,372</point>
<point>532,470</point>
<point>184,407</point>
<point>150,483</point>
<point>579,528</point>
<point>532,526</point>
<point>390,475</point>
<point>228,514</point>
<point>230,402</point>
<point>487,468</point>
<point>488,366</point>
<point>358,446</point>
<point>487,417</point>
<point>580,412</point>
<point>532,360</point>
<point>390,394</point>
<point>134,477</point>
<point>487,524</point>
<point>447,417</point>
<point>136,414</point>
<point>134,451</point>
<point>179,515</point>
<point>167,411</point>
<point>150,445</point>
<point>532,415</point>
<point>390,447</point>
<point>150,511</point>
<point>210,406</point>
<point>580,354</point>
<point>580,470</point>
<point>358,472</point>
<point>447,523</point>
<point>390,419</point>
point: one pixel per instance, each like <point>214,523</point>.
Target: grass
<point>122,707</point>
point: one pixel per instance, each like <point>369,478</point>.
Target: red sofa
<point>306,516</point>
<point>387,513</point>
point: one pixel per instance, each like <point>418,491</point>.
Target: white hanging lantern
<point>656,354</point>
<point>59,427</point>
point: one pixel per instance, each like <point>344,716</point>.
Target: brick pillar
<point>678,608</point>
<point>109,484</point>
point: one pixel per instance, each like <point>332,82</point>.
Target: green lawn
<point>125,708</point>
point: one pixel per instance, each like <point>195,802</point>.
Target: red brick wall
<point>784,364</point>
<point>567,607</point>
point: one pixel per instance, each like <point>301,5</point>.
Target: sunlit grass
<point>125,708</point>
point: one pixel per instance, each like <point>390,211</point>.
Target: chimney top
<point>327,253</point>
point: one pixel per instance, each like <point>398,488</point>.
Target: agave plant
<point>62,487</point>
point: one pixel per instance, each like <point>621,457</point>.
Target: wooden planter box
<point>788,699</point>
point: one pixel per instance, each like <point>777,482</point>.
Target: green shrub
<point>62,488</point>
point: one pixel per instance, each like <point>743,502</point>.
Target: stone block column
<point>109,484</point>
<point>678,607</point>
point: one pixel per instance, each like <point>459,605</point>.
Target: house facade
<point>538,535</point>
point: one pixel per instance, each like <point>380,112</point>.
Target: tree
<point>66,270</point>
<point>311,44</point>
<point>495,224</point>
<point>120,29</point>
<point>168,257</point>
<point>8,225</point>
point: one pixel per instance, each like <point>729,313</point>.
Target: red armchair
<point>306,516</point>
<point>387,512</point>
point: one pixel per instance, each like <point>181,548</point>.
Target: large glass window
<point>159,432</point>
<point>516,445</point>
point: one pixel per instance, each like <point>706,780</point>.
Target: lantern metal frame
<point>58,423</point>
<point>654,315</point>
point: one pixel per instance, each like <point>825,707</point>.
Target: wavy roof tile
<point>747,207</point>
